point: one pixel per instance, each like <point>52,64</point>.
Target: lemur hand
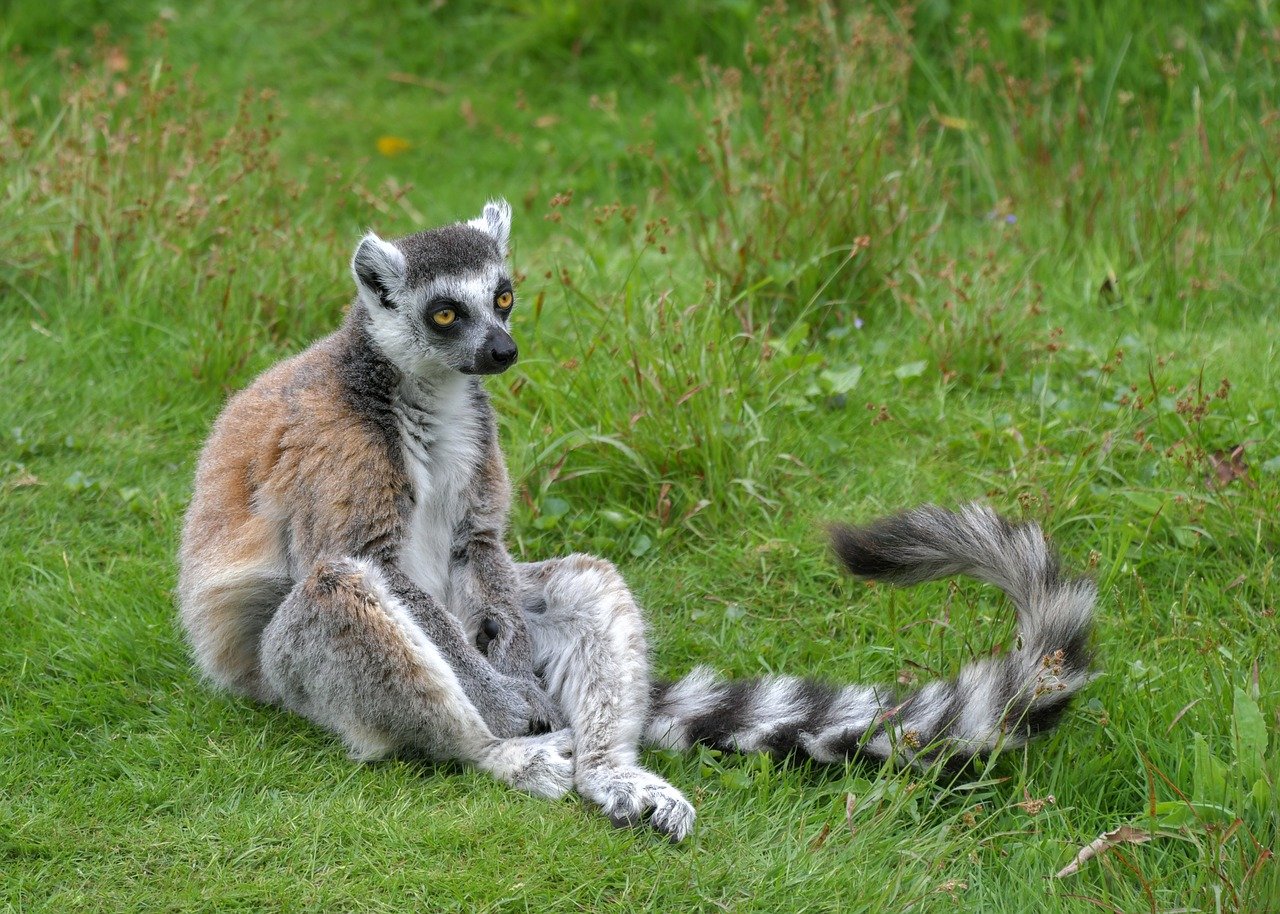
<point>544,714</point>
<point>520,707</point>
<point>508,650</point>
<point>506,643</point>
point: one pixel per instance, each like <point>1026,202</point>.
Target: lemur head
<point>441,299</point>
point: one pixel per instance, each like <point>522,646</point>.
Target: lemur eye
<point>444,317</point>
<point>503,301</point>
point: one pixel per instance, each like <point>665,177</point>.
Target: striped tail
<point>998,701</point>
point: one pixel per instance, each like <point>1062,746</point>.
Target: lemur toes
<point>673,816</point>
<point>632,797</point>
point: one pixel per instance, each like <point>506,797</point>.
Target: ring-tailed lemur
<point>343,558</point>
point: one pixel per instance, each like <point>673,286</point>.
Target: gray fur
<point>451,250</point>
<point>344,558</point>
<point>590,650</point>
<point>340,651</point>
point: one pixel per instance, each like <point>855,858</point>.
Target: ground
<point>779,268</point>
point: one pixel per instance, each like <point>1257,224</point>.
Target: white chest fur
<point>440,433</point>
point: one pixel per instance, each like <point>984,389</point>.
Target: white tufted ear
<point>379,270</point>
<point>496,222</point>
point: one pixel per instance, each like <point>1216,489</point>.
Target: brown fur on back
<point>292,474</point>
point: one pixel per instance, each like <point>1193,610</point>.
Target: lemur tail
<point>1004,700</point>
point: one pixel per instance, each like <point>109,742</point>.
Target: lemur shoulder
<point>343,557</point>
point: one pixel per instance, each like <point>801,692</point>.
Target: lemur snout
<point>496,354</point>
<point>504,351</point>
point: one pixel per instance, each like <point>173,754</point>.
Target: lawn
<point>778,267</point>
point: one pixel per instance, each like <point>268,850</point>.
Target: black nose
<point>495,355</point>
<point>503,352</point>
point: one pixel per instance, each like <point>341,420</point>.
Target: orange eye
<point>503,301</point>
<point>445,317</point>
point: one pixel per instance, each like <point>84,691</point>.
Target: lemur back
<point>288,463</point>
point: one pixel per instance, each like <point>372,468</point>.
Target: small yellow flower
<point>392,145</point>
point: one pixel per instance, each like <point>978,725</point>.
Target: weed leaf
<point>1251,736</point>
<point>842,381</point>
<point>1210,774</point>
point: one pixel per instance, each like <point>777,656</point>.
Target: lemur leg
<point>589,649</point>
<point>344,652</point>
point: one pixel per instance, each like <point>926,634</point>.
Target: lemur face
<point>441,299</point>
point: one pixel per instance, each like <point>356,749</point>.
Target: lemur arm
<point>491,597</point>
<point>489,688</point>
<point>489,586</point>
<point>474,671</point>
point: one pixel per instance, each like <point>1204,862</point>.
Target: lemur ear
<point>379,269</point>
<point>496,222</point>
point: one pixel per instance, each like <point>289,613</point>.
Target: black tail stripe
<point>728,714</point>
<point>815,698</point>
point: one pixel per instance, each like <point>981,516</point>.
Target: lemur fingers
<point>539,765</point>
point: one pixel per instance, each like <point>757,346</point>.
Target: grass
<point>879,258</point>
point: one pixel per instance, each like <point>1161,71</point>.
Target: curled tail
<point>1004,700</point>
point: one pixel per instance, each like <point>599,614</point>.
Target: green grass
<point>1069,238</point>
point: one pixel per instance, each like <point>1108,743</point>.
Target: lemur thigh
<point>588,641</point>
<point>343,652</point>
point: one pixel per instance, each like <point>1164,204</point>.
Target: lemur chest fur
<point>440,433</point>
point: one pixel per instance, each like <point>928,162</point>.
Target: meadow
<point>778,267</point>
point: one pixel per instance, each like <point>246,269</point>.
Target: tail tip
<point>860,552</point>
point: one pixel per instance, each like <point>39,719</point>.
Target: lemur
<point>343,558</point>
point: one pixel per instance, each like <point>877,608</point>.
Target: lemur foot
<point>540,765</point>
<point>631,796</point>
